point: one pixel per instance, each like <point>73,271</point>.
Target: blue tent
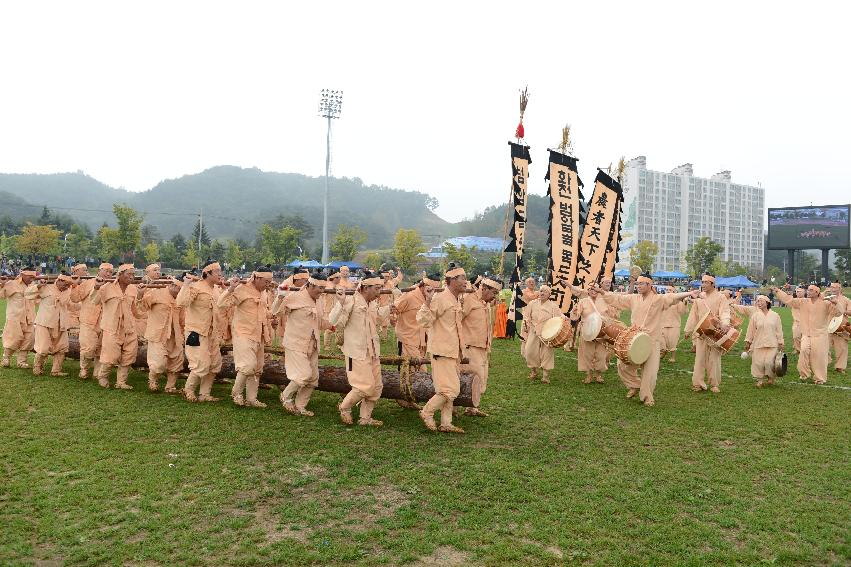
<point>735,281</point>
<point>669,275</point>
<point>621,273</point>
<point>337,264</point>
<point>304,264</point>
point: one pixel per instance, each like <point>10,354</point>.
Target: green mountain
<point>235,201</point>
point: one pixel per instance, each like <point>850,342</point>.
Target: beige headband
<point>152,268</point>
<point>314,281</point>
<point>644,279</point>
<point>29,273</point>
<point>267,275</point>
<point>455,272</point>
<point>106,266</point>
<point>64,278</point>
<point>300,276</point>
<point>125,268</point>
<point>372,281</point>
<point>210,267</point>
<point>815,288</point>
<point>707,278</point>
<point>491,283</point>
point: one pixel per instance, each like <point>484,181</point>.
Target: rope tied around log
<point>406,388</point>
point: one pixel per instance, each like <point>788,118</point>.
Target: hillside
<point>235,201</point>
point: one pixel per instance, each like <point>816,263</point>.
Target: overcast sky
<point>133,93</point>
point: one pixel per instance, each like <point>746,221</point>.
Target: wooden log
<point>331,378</point>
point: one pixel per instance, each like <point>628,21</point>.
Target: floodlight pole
<point>330,103</point>
<point>325,205</point>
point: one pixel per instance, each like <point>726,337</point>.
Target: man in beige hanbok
<point>251,333</point>
<point>20,315</point>
<point>646,309</point>
<point>814,313</point>
<point>707,359</point>
<point>441,316</point>
<point>592,355</point>
<point>305,323</point>
<point>838,341</point>
<point>51,323</point>
<point>119,342</point>
<point>90,332</point>
<point>360,318</point>
<point>529,294</point>
<point>763,340</point>
<point>164,335</point>
<point>477,328</point>
<point>537,353</point>
<point>202,331</point>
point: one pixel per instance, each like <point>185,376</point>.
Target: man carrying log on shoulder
<point>119,342</point>
<point>441,314</point>
<point>51,323</point>
<point>252,331</point>
<point>360,318</point>
<point>411,337</point>
<point>305,323</point>
<point>477,332</point>
<point>18,331</point>
<point>164,334</point>
<point>203,330</point>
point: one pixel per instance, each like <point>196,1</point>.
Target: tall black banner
<point>520,160</point>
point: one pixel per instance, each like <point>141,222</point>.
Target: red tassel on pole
<point>519,133</point>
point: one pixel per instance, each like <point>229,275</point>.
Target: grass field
<point>564,473</point>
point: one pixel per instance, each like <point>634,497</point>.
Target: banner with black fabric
<point>614,244</point>
<point>566,216</point>
<point>602,217</point>
<point>520,160</point>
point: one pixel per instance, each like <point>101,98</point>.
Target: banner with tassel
<point>566,217</point>
<point>596,236</point>
<point>520,160</point>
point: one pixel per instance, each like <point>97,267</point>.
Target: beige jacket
<point>251,317</point>
<point>165,318</point>
<point>305,320</point>
<point>408,331</point>
<point>812,316</point>
<point>53,307</point>
<point>89,312</point>
<point>476,321</point>
<point>443,319</point>
<point>18,307</point>
<point>764,330</point>
<point>715,302</point>
<point>199,300</point>
<point>119,308</point>
<point>646,312</point>
<point>360,322</point>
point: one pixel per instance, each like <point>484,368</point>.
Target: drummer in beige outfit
<point>592,359</point>
<point>838,341</point>
<point>537,353</point>
<point>645,312</point>
<point>707,359</point>
<point>764,338</point>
